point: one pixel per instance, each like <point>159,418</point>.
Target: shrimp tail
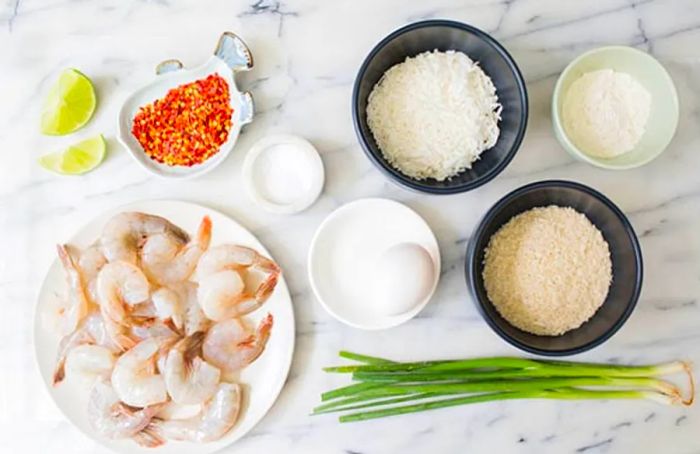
<point>266,288</point>
<point>143,321</point>
<point>124,342</point>
<point>204,233</point>
<point>76,285</point>
<point>266,264</point>
<point>258,341</point>
<point>65,257</point>
<point>248,342</point>
<point>149,437</point>
<point>192,346</point>
<point>175,324</point>
<point>59,373</point>
<point>264,329</point>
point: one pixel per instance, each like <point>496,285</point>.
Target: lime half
<point>76,159</point>
<point>69,105</point>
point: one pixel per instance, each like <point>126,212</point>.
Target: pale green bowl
<point>663,116</point>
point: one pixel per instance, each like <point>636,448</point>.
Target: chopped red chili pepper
<point>188,125</point>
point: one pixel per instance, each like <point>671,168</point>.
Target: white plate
<point>264,378</point>
<point>231,56</point>
<point>346,245</point>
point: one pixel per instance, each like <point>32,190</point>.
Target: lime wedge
<point>69,105</point>
<point>76,159</point>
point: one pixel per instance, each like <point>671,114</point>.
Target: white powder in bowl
<point>605,112</point>
<point>282,174</point>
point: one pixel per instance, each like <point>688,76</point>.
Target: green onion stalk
<point>382,387</point>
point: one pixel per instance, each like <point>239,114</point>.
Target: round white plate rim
<point>389,321</point>
<point>315,162</point>
<point>193,448</point>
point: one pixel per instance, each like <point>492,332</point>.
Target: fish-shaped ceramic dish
<point>231,56</point>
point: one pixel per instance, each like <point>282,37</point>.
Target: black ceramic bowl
<point>444,35</point>
<point>625,254</point>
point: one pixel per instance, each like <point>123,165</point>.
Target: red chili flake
<point>188,125</point>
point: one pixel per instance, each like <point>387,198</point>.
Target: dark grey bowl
<point>625,253</point>
<point>446,35</point>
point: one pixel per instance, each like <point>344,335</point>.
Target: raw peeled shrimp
<point>77,305</point>
<point>171,410</point>
<point>222,290</point>
<point>89,361</point>
<point>168,306</point>
<point>135,378</point>
<point>194,317</point>
<point>78,337</point>
<point>157,329</point>
<point>153,328</point>
<point>231,346</point>
<point>164,259</point>
<point>188,378</point>
<point>113,419</point>
<point>91,331</point>
<point>217,417</point>
<point>178,305</point>
<point>233,257</point>
<point>125,232</point>
<point>90,263</point>
<point>144,311</point>
<point>120,284</point>
<point>95,327</point>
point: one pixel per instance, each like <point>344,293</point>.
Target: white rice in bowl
<point>547,270</point>
<point>434,114</point>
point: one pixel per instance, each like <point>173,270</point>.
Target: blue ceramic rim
<point>471,266</point>
<point>418,185</point>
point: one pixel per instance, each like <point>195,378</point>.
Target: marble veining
<point>306,55</point>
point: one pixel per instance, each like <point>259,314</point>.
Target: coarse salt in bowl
<point>283,173</point>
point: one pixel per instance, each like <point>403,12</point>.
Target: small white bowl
<point>231,56</point>
<point>302,171</point>
<point>346,246</point>
<point>663,118</point>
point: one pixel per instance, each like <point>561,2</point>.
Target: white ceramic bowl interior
<point>304,171</point>
<point>663,117</point>
<point>230,56</point>
<point>345,247</point>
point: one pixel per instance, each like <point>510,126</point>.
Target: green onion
<point>362,358</point>
<point>535,366</point>
<point>419,375</point>
<point>385,384</point>
<point>497,362</point>
<point>348,390</point>
<point>347,404</point>
<point>358,386</point>
<point>572,394</point>
<point>352,396</point>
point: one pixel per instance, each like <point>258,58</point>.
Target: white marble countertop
<point>306,55</point>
